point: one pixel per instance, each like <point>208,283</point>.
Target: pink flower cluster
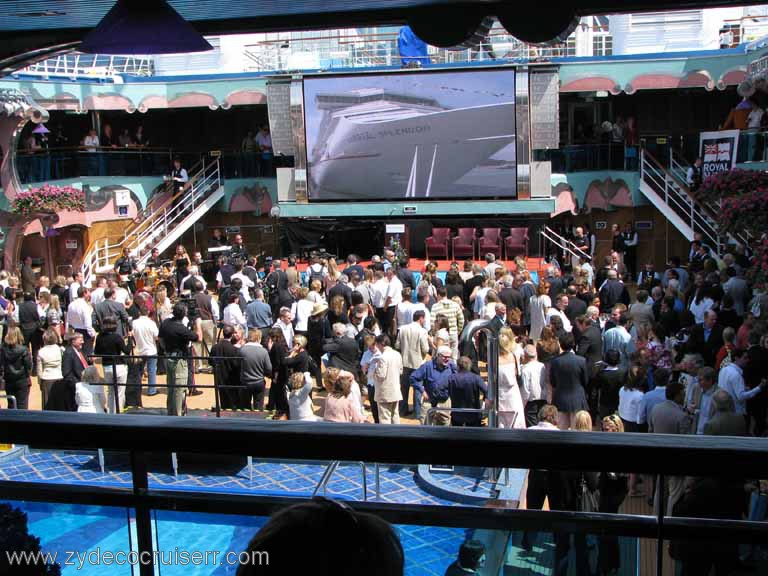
<point>747,212</point>
<point>733,183</point>
<point>757,275</point>
<point>48,198</point>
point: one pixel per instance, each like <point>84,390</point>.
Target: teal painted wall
<point>437,208</point>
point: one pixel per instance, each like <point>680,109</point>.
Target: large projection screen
<point>413,135</point>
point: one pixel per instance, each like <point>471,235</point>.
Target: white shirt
<point>629,404</point>
<point>234,316</point>
<point>379,293</point>
<point>79,316</point>
<point>121,295</point>
<point>405,313</point>
<point>182,177</point>
<point>533,384</point>
<point>195,276</point>
<point>73,291</point>
<point>97,296</point>
<point>90,398</point>
<point>247,283</point>
<point>731,379</point>
<point>698,310</point>
<point>301,311</point>
<point>555,312</point>
<point>427,316</point>
<point>394,291</point>
<point>264,139</point>
<point>490,269</point>
<point>91,142</point>
<point>145,333</point>
<point>287,330</point>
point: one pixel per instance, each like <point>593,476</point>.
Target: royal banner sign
<point>718,151</point>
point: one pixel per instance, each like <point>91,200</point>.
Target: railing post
<point>140,477</point>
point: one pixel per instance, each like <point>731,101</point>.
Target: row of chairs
<point>466,244</point>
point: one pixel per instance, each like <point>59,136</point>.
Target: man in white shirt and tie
<point>80,318</point>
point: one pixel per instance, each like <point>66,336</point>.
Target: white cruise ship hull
<point>416,157</point>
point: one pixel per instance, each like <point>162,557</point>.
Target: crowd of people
<point>674,351</point>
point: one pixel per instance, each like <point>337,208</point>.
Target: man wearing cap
<point>430,383</point>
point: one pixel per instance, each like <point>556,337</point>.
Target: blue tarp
<point>411,47</point>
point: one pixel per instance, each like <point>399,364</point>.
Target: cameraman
<point>206,315</point>
<point>176,338</point>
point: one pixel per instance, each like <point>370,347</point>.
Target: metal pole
<point>115,387</point>
<point>216,393</point>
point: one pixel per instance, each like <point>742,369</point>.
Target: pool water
<point>64,527</point>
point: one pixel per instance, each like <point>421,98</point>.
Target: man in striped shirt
<point>446,308</point>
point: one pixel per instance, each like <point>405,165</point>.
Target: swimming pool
<point>97,531</point>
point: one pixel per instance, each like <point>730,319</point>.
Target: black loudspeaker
<point>536,26</point>
<point>448,26</point>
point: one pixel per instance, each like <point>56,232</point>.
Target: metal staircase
<point>667,190</point>
<point>568,247</point>
<point>159,226</point>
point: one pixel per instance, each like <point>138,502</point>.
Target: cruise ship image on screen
<point>376,144</point>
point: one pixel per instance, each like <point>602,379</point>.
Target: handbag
<point>588,499</point>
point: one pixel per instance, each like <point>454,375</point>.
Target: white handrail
<point>563,243</point>
<point>103,255</point>
<point>679,199</point>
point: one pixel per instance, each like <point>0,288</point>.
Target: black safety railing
<point>35,166</point>
<point>659,455</point>
<point>113,380</point>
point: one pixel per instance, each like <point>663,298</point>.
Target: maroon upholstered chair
<point>516,244</point>
<point>464,243</point>
<point>490,242</point>
<point>437,244</point>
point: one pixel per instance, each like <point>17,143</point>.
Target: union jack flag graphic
<point>710,152</point>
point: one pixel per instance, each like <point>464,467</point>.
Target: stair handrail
<point>678,197</point>
<point>97,255</point>
<point>712,207</point>
<point>139,223</point>
<point>563,243</point>
<point>205,182</point>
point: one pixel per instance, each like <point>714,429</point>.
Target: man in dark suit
<point>576,306</point>
<point>706,339</point>
<point>510,295</point>
<point>557,283</point>
<point>111,307</point>
<point>73,361</point>
<point>590,345</point>
<point>342,289</point>
<point>569,379</point>
<point>405,275</point>
<point>343,351</point>
<point>613,292</point>
<point>477,280</point>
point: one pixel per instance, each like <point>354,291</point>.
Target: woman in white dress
<point>510,399</point>
<point>539,305</point>
<point>89,393</point>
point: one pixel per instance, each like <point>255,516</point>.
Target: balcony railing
<point>149,505</point>
<point>74,162</point>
